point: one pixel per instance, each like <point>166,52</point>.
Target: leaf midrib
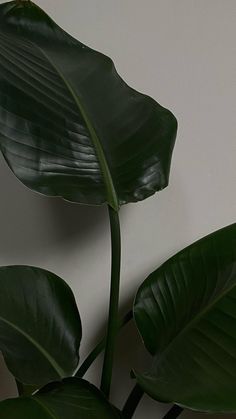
<point>111,193</point>
<point>61,373</point>
<point>45,408</point>
<point>193,321</point>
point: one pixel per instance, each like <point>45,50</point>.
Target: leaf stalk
<point>174,412</point>
<point>114,301</point>
<point>100,347</point>
<point>132,402</point>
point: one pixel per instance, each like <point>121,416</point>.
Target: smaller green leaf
<point>186,314</point>
<point>40,328</point>
<point>73,398</point>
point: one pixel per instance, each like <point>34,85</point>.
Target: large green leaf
<point>40,327</point>
<point>186,314</point>
<point>69,125</point>
<point>73,398</point>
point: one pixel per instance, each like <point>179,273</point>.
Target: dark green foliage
<point>71,127</point>
<point>73,398</point>
<point>186,314</point>
<point>40,328</point>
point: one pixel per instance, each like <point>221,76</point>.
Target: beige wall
<point>182,52</point>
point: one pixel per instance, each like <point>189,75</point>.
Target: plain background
<point>183,54</point>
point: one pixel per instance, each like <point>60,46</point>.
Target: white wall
<point>183,54</point>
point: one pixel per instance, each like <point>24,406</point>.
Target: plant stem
<point>132,402</point>
<point>99,348</point>
<point>114,301</point>
<point>174,412</point>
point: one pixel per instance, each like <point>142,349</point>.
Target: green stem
<point>174,412</point>
<point>132,402</point>
<point>99,348</point>
<point>114,301</point>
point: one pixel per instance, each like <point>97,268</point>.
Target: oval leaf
<point>186,314</point>
<point>69,125</point>
<point>73,398</point>
<point>40,328</point>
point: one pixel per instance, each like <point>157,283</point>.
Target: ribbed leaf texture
<point>186,314</point>
<point>73,398</point>
<point>40,328</point>
<point>69,125</point>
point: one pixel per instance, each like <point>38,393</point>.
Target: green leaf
<point>73,398</point>
<point>40,328</point>
<point>69,125</point>
<point>186,314</point>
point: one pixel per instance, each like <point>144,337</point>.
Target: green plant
<point>71,127</point>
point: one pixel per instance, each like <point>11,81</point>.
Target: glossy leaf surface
<point>69,125</point>
<point>71,399</point>
<point>186,314</point>
<point>40,329</point>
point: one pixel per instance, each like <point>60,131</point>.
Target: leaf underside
<point>73,398</point>
<point>69,125</point>
<point>186,314</point>
<point>40,328</point>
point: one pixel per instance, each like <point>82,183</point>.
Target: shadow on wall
<point>29,222</point>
